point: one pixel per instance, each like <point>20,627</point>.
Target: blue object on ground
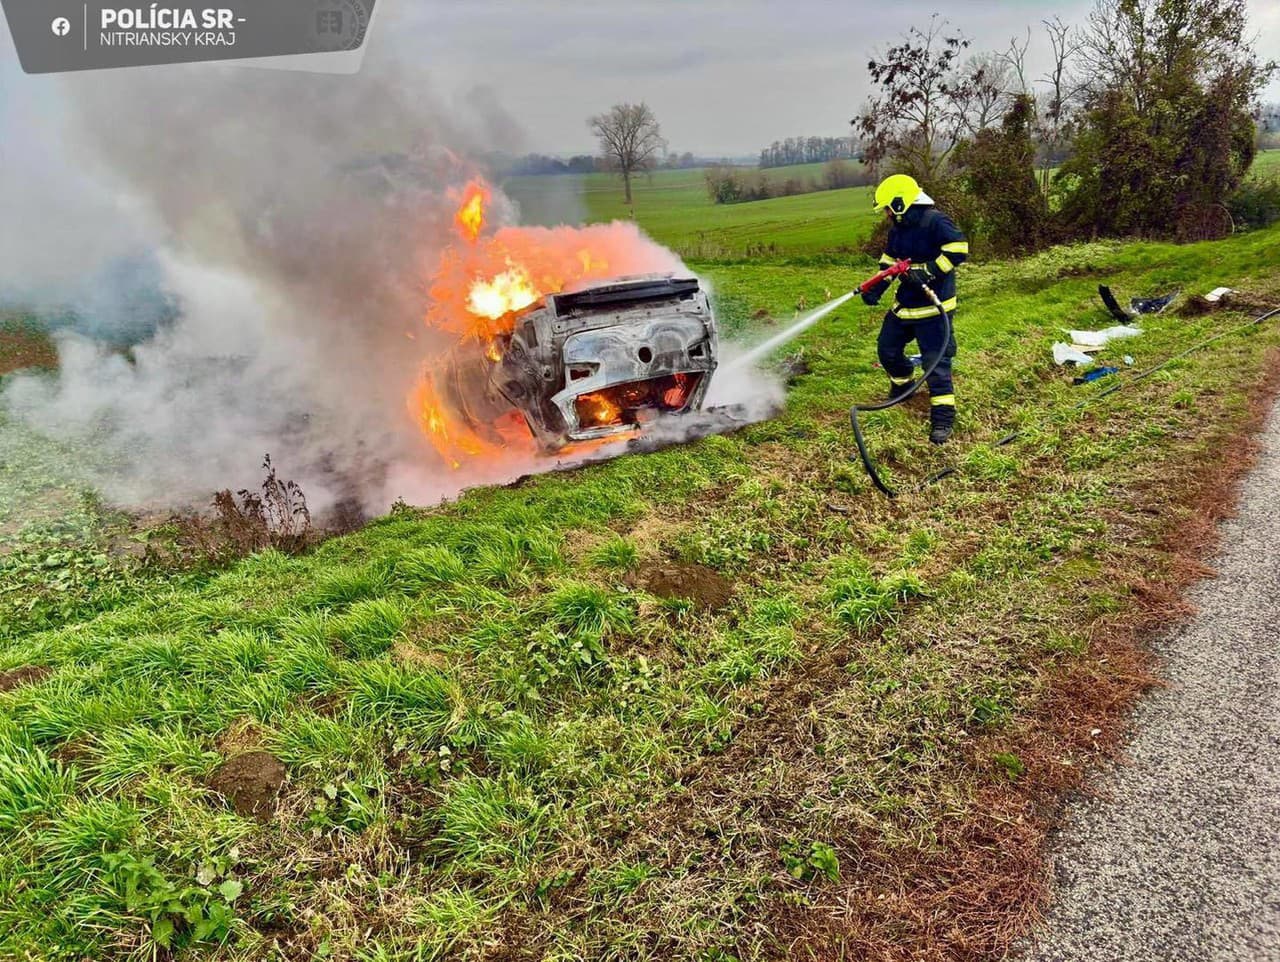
<point>1093,375</point>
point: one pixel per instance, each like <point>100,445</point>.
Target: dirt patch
<point>410,655</point>
<point>26,675</point>
<point>705,587</point>
<point>21,348</point>
<point>250,782</point>
<point>1198,305</point>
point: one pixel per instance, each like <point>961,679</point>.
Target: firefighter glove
<point>918,276</point>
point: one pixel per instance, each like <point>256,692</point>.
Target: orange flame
<point>453,439</point>
<point>479,286</point>
<point>509,291</point>
<point>470,216</point>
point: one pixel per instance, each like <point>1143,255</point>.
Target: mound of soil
<point>1196,305</point>
<point>1242,301</point>
<point>250,782</point>
<point>705,587</point>
<point>26,675</point>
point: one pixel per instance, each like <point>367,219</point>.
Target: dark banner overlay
<point>58,35</point>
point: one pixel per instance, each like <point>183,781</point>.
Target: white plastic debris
<point>1218,293</point>
<point>1066,354</point>
<point>1128,359</point>
<point>1098,338</point>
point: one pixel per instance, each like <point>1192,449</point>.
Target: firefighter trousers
<point>896,334</point>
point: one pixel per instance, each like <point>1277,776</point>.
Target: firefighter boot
<point>942,417</point>
<point>899,386</point>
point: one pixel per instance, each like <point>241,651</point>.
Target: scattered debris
<point>1070,354</point>
<point>1095,374</point>
<point>1217,294</point>
<point>26,675</point>
<point>250,782</point>
<point>1137,305</point>
<point>1153,305</point>
<point>1104,336</point>
<point>1109,299</point>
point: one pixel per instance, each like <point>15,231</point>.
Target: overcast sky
<point>723,76</point>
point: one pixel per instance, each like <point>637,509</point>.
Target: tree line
<point>535,164</point>
<point>735,185</point>
<point>806,150</point>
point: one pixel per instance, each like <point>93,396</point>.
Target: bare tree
<point>1015,60</point>
<point>1064,93</point>
<point>917,115</point>
<point>982,90</point>
<point>630,139</point>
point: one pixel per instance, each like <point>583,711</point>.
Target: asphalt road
<point>1180,857</point>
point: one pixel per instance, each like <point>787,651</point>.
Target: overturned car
<point>592,363</point>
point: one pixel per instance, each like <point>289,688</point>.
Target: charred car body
<point>592,363</point>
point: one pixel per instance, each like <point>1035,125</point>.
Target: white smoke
<point>268,235</point>
<point>263,240</point>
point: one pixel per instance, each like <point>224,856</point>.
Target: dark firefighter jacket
<point>927,237</point>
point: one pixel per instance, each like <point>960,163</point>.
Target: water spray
<point>792,332</point>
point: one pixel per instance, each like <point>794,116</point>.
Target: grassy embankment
<point>499,739</point>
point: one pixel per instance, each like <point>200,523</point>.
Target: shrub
<point>1256,203</point>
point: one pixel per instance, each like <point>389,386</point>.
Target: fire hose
<point>901,267</point>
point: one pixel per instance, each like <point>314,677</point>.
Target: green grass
<point>673,207</point>
<point>1266,164</point>
<point>493,734</point>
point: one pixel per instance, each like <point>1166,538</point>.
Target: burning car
<point>591,363</point>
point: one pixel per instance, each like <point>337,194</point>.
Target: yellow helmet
<point>897,192</point>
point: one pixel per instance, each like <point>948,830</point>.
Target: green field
<point>673,207</point>
<point>1266,164</point>
<point>719,702</point>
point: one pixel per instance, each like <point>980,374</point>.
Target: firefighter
<point>926,236</point>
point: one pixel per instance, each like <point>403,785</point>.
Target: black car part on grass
<point>1137,305</point>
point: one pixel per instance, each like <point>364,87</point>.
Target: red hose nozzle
<point>901,267</point>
